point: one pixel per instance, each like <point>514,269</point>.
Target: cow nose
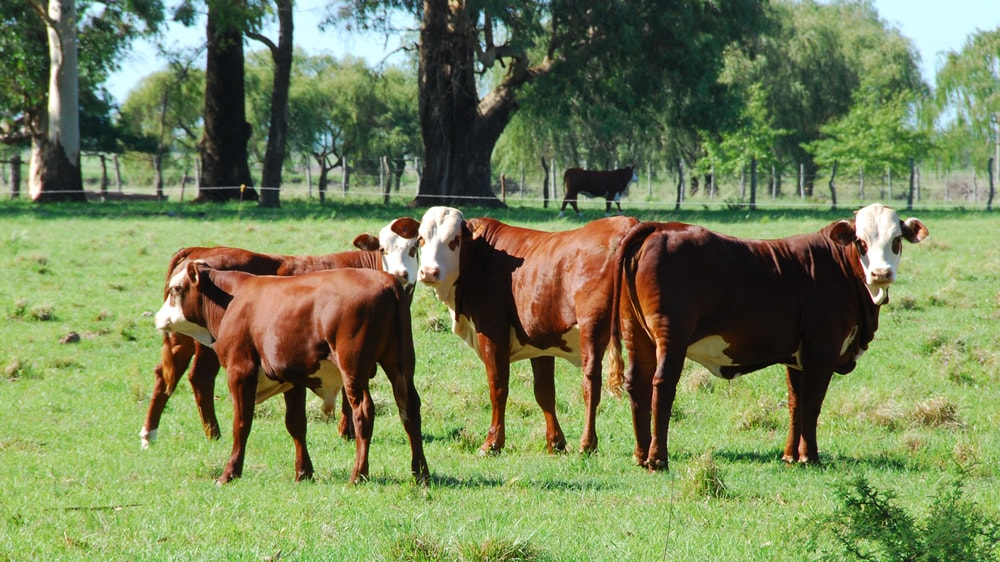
<point>429,274</point>
<point>882,275</point>
<point>403,276</point>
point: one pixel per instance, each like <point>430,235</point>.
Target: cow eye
<point>413,251</point>
<point>862,246</point>
<point>897,244</point>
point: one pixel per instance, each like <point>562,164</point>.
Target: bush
<point>869,526</point>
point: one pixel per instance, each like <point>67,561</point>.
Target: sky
<point>934,26</point>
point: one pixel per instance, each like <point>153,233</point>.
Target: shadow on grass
<point>826,462</point>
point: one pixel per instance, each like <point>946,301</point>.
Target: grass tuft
<point>936,412</point>
<point>704,478</point>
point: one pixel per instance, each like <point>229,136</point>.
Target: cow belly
<point>466,329</point>
<point>710,352</point>
<point>330,383</point>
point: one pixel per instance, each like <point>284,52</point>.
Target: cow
<point>516,294</point>
<point>394,251</point>
<point>610,184</point>
<point>324,330</point>
<point>808,302</point>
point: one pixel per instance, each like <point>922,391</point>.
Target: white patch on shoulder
<point>464,328</point>
<point>710,351</point>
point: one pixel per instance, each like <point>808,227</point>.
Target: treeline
<point>704,90</point>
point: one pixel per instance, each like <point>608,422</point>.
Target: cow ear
<point>843,233</point>
<point>913,230</point>
<point>476,228</point>
<point>366,242</point>
<point>192,272</point>
<point>406,227</point>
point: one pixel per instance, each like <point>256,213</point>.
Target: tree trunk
<point>459,131</point>
<point>277,135</point>
<point>545,184</point>
<point>753,184</point>
<point>223,145</point>
<point>833,187</point>
<point>989,200</point>
<point>913,182</point>
<point>55,153</point>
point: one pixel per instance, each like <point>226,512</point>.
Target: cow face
<point>879,234</point>
<point>181,310</point>
<point>397,242</point>
<point>441,231</point>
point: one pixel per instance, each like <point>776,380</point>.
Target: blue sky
<point>934,26</point>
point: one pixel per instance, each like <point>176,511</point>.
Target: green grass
<point>74,484</point>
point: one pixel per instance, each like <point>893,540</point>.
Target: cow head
<point>397,242</point>
<point>441,230</point>
<point>878,233</point>
<point>182,309</point>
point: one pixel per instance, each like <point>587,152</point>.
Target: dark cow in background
<point>516,294</point>
<point>809,302</point>
<point>610,184</point>
<point>394,251</point>
<point>324,330</point>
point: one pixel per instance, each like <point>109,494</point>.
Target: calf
<point>322,330</point>
<point>519,294</point>
<point>394,251</point>
<point>610,184</point>
<point>808,302</point>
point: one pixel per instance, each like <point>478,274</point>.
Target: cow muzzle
<point>430,275</point>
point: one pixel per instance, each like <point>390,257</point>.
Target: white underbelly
<point>465,329</point>
<point>330,378</point>
<point>710,352</point>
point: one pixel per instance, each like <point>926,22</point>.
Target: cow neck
<point>217,293</point>
<point>869,305</point>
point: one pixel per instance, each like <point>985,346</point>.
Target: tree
<point>589,47</point>
<point>969,89</point>
<point>277,135</point>
<point>53,123</point>
<point>225,170</point>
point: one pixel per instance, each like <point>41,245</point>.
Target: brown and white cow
<point>322,330</point>
<point>609,184</point>
<point>516,294</point>
<point>809,302</point>
<point>394,251</point>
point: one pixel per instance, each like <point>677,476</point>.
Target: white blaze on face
<point>880,237</point>
<point>399,255</point>
<point>440,241</point>
<point>170,317</point>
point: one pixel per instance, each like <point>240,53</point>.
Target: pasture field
<point>920,411</point>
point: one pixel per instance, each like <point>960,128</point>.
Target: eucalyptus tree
<point>611,50</point>
<point>55,48</point>
<point>968,90</point>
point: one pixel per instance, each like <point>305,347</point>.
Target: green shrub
<point>869,526</point>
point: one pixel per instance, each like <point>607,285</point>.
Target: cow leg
<point>639,385</point>
<point>607,207</point>
<point>243,388</point>
<point>346,424</point>
<point>496,358</point>
<point>295,423</point>
<point>408,404</point>
<point>590,358</point>
<point>204,369</point>
<point>174,361</point>
<point>544,376</point>
<point>363,414</point>
<point>806,392</point>
<point>668,372</point>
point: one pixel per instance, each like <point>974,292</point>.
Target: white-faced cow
<point>322,330</point>
<point>394,251</point>
<point>610,184</point>
<point>809,302</point>
<point>519,294</point>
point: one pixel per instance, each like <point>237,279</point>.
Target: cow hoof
<point>490,450</point>
<point>656,465</point>
<point>561,214</point>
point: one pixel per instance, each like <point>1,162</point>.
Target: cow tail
<point>167,367</point>
<point>629,244</point>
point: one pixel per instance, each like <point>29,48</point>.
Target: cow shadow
<point>826,461</point>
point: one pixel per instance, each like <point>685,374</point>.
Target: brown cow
<point>610,184</point>
<point>519,294</point>
<point>809,302</point>
<point>322,330</point>
<point>395,251</point>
